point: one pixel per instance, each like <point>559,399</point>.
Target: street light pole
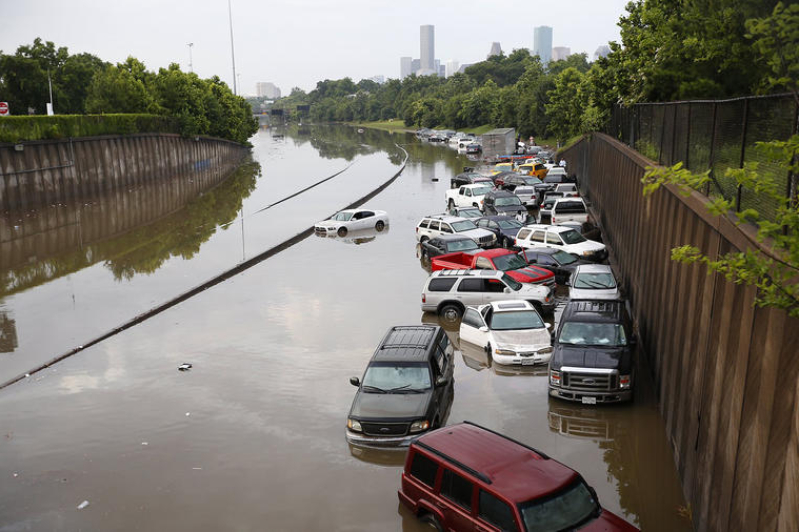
<point>191,62</point>
<point>232,51</point>
<point>50,110</point>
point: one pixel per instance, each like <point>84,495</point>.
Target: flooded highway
<point>252,436</point>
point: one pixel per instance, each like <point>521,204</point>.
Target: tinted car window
<point>472,318</point>
<point>425,224</point>
<point>441,285</point>
<point>552,238</point>
<point>424,469</point>
<point>471,285</point>
<point>494,285</point>
<point>523,234</point>
<point>496,512</point>
<point>570,206</point>
<point>457,489</point>
<point>434,226</point>
<point>538,236</point>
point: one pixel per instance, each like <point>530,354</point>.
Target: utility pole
<point>50,110</point>
<point>232,51</point>
<point>191,63</point>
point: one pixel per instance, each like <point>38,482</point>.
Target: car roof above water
<point>409,343</point>
<point>594,311</point>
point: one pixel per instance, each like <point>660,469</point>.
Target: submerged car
<point>407,388</point>
<point>444,244</point>
<point>352,219</point>
<point>465,212</point>
<point>593,281</point>
<point>561,263</point>
<point>504,227</point>
<point>468,477</point>
<point>512,332</point>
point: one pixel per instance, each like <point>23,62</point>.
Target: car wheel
<point>423,240</point>
<point>431,520</point>
<point>380,225</point>
<point>342,231</point>
<point>475,205</point>
<point>450,312</point>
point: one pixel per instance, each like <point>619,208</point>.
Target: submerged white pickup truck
<point>467,195</point>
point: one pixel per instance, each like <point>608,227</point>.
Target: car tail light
<point>424,298</point>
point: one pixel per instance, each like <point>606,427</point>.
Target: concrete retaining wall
<point>727,374</point>
<point>35,174</point>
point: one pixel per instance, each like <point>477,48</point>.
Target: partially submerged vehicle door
<point>473,328</point>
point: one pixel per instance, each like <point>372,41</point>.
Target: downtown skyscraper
<point>542,43</point>
<point>427,55</point>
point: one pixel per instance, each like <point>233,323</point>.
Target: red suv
<point>467,477</point>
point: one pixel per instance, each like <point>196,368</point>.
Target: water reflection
<point>381,457</point>
<point>8,333</point>
<point>132,231</point>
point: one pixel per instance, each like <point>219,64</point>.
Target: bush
<point>22,128</point>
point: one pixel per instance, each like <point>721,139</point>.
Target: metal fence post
<point>712,161</point>
<point>688,139</point>
<point>743,151</point>
<point>674,133</point>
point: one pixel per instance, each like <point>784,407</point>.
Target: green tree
<point>567,102</point>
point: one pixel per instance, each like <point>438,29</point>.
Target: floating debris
<point>83,505</point>
<point>184,367</point>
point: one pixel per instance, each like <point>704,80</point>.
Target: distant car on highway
<point>352,219</point>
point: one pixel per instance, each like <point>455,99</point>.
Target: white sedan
<point>511,331</point>
<point>352,220</point>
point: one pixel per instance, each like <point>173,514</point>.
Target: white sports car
<point>512,332</point>
<point>352,220</point>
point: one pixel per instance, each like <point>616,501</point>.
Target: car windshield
<point>516,320</point>
<point>509,262</point>
<point>507,201</point>
<point>463,245</point>
<point>572,237</point>
<point>564,258</point>
<point>480,191</point>
<point>342,216</point>
<point>470,213</point>
<point>463,225</point>
<point>384,377</point>
<point>567,510</point>
<point>509,224</point>
<point>598,334</point>
<point>513,283</point>
<point>595,280</point>
<point>532,180</point>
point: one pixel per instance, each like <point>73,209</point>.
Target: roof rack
<point>461,465</point>
<point>536,451</point>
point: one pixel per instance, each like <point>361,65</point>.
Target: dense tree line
<point>668,51</point>
<point>84,83</point>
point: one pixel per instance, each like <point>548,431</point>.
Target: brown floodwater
<point>252,437</point>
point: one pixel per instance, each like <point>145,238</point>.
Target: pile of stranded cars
<point>494,268</point>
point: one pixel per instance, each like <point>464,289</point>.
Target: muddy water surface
<point>252,437</point>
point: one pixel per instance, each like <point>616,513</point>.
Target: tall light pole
<point>191,63</point>
<point>232,51</point>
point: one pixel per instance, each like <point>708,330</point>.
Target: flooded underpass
<point>252,437</point>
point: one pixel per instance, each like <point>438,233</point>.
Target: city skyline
<point>274,51</point>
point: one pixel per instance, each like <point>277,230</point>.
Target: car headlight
<point>625,381</point>
<point>554,378</point>
<point>499,351</point>
<point>587,253</point>
<point>354,425</point>
<point>419,426</point>
<point>545,351</point>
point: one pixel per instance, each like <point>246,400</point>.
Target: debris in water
<point>197,468</point>
<point>188,413</point>
<point>83,505</point>
<point>184,367</point>
<point>145,443</point>
<point>16,475</point>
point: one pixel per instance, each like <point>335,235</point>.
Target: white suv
<point>560,237</point>
<point>467,195</point>
<point>433,226</point>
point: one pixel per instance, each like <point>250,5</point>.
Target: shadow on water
<point>132,232</point>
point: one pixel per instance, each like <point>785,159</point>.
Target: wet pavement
<point>252,437</point>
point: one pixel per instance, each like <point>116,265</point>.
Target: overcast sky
<point>299,42</point>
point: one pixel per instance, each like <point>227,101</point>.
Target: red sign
<point>3,108</point>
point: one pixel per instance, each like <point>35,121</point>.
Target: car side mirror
<point>507,290</point>
<point>442,381</point>
<point>548,325</point>
<point>483,329</point>
<point>355,381</point>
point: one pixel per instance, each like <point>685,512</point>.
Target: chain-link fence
<point>715,135</point>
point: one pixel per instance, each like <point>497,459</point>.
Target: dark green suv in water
<point>407,388</point>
